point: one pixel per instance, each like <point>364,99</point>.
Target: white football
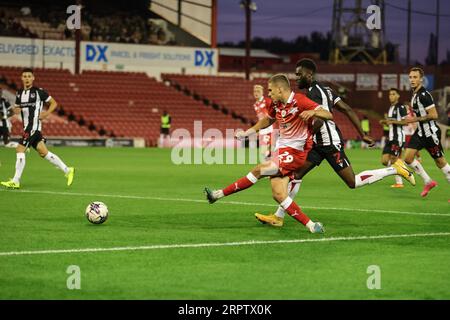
<point>97,212</point>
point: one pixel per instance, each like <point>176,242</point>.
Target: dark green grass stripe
<point>225,244</point>
<point>224,202</point>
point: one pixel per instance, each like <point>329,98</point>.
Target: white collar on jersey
<point>261,99</point>
<point>291,97</point>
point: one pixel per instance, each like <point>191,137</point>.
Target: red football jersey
<point>294,132</point>
<point>261,107</point>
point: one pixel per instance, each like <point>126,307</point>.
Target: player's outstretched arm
<point>353,117</point>
<point>397,122</point>
<point>317,113</point>
<point>431,115</point>
<point>261,124</point>
<point>16,109</point>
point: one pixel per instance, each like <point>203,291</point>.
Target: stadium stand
<point>11,25</point>
<point>119,104</point>
<point>110,26</point>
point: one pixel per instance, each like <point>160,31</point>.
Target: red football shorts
<point>290,159</point>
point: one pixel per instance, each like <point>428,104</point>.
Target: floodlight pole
<point>408,37</point>
<point>248,38</point>
<point>77,46</point>
<point>437,31</point>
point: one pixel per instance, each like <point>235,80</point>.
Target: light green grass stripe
<point>226,202</point>
<point>224,244</point>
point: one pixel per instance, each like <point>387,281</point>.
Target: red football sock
<point>294,211</point>
<point>241,184</point>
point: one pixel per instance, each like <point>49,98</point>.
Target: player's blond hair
<point>258,86</point>
<point>281,80</point>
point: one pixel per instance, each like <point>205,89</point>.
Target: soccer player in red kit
<point>265,135</point>
<point>294,113</point>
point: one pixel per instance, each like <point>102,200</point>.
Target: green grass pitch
<point>154,202</point>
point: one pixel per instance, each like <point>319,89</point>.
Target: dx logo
<point>96,53</point>
<point>204,58</point>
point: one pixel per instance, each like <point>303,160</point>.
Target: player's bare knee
<point>256,171</point>
<point>20,149</point>
<point>42,154</point>
<point>279,196</point>
<point>440,162</point>
<point>409,159</point>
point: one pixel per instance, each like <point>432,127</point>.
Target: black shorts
<point>31,140</point>
<point>432,144</point>
<point>4,131</point>
<point>335,156</point>
<point>165,131</point>
<point>393,147</point>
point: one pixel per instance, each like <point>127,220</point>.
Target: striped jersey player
<point>6,112</point>
<point>30,101</point>
<point>395,120</point>
<point>427,134</point>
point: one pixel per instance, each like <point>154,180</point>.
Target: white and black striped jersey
<point>421,102</point>
<point>31,102</point>
<point>5,107</point>
<point>397,112</point>
<point>329,133</point>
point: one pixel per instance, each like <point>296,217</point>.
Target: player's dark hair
<point>307,64</point>
<point>27,70</point>
<point>420,70</point>
<point>395,89</point>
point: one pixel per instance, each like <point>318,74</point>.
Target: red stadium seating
<point>124,104</point>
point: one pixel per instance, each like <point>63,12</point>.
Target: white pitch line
<point>227,202</point>
<point>224,244</point>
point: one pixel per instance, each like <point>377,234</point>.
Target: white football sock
<point>310,225</point>
<point>371,176</point>
<point>54,159</point>
<point>418,168</point>
<point>446,171</point>
<point>218,194</point>
<point>294,187</point>
<point>20,165</point>
<point>280,213</point>
<point>398,180</point>
<point>252,178</point>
